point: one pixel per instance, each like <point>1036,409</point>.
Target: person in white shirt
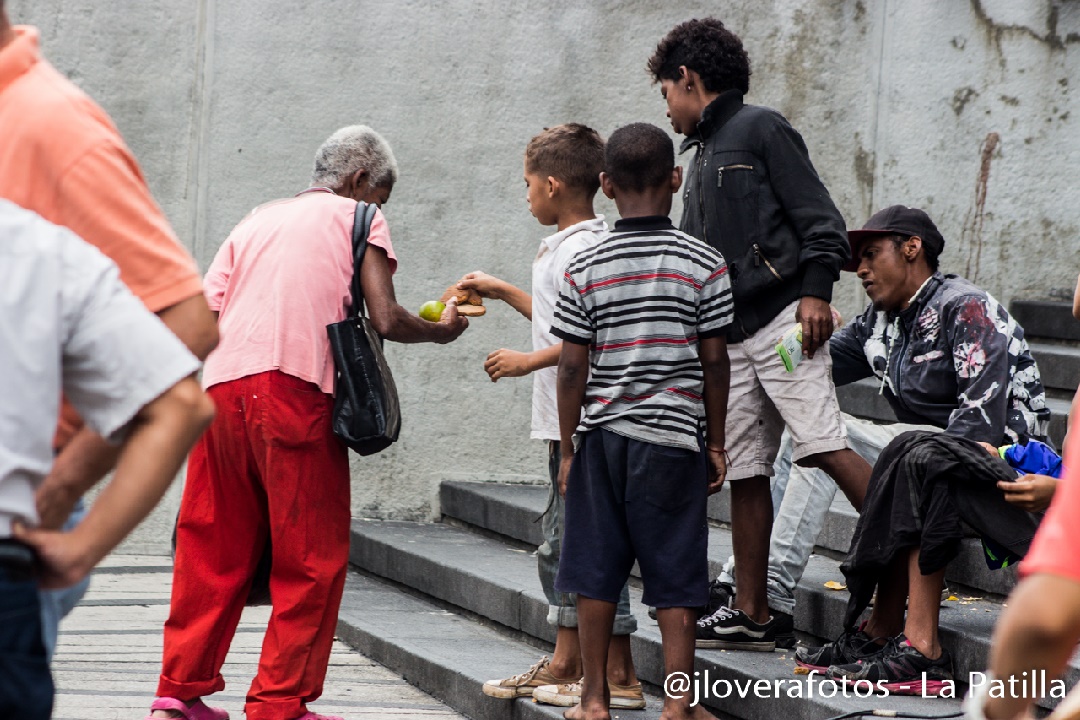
<point>562,173</point>
<point>69,326</point>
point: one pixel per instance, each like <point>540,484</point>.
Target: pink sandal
<point>198,710</point>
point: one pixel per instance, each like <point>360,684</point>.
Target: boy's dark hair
<point>709,49</point>
<point>572,153</point>
<point>639,156</point>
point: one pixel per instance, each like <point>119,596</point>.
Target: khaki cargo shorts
<point>764,397</point>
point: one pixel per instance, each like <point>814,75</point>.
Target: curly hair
<point>639,156</point>
<point>709,49</point>
<point>571,152</point>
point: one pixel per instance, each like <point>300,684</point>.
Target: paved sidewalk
<point>109,656</point>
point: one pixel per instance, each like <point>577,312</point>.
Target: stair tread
<point>820,611</point>
<point>510,510</point>
<point>1046,319</point>
<point>442,653</point>
<point>436,559</point>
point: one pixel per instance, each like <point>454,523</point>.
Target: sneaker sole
<point>760,646</point>
<point>808,666</point>
<point>572,700</point>
<point>930,688</point>
<point>507,693</point>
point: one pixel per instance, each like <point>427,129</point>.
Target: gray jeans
<point>562,610</point>
<point>807,494</point>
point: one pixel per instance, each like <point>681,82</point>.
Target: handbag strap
<point>365,213</point>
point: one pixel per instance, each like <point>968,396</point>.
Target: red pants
<point>268,464</point>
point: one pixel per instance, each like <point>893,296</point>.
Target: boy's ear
<point>676,179</point>
<point>553,185</point>
<point>607,186</point>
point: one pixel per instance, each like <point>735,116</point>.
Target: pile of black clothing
<point>922,487</point>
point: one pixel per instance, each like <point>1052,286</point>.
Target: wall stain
<point>971,236</point>
<point>997,31</point>
<point>863,164</point>
<point>962,97</point>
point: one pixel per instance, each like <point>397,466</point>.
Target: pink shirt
<point>279,279</point>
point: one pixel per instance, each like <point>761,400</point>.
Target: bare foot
<point>683,712</point>
<point>594,711</point>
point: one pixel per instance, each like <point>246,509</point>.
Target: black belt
<point>18,560</point>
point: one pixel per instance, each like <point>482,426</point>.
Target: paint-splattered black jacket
<point>953,358</point>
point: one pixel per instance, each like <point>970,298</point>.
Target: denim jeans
<point>26,686</point>
<point>799,516</point>
<point>562,610</point>
<point>56,604</point>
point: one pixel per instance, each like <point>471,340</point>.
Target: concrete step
<point>1046,319</point>
<point>442,653</point>
<point>510,510</point>
<point>485,576</point>
<point>1059,365</point>
<point>861,399</point>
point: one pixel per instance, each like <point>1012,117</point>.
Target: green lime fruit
<point>432,310</point>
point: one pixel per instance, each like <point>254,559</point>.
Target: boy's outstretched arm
<point>492,287</point>
<point>717,371</point>
<point>511,363</point>
<point>573,376</point>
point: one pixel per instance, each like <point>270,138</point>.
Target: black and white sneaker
<point>728,629</point>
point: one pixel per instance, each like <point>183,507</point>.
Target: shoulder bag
<point>367,416</point>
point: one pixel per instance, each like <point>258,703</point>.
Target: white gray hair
<point>352,148</point>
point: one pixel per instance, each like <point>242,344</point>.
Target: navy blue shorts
<point>629,500</point>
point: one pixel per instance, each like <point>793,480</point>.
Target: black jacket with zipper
<point>753,194</point>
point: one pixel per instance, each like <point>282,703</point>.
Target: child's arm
<point>510,363</point>
<point>573,375</point>
<point>492,287</point>
<point>717,371</point>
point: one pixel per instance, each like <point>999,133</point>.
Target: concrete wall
<point>963,108</point>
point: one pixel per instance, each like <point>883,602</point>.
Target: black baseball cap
<point>896,220</point>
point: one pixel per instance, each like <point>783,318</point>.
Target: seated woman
<point>925,486</point>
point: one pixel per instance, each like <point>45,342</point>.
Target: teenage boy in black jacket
<point>754,195</point>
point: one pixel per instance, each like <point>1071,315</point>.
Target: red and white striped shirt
<point>642,299</point>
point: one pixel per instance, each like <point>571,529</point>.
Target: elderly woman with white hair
<point>270,465</point>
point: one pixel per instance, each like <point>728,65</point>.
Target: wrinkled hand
<point>718,467</point>
<point>488,286</point>
<point>1032,493</point>
<point>55,501</point>
<point>564,473</point>
<point>817,323</point>
<point>506,363</point>
<point>63,557</point>
<point>454,322</point>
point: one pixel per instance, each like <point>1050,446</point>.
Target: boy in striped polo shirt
<point>643,317</point>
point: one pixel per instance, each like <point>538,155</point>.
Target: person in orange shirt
<point>63,158</point>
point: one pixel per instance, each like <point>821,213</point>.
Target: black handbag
<point>367,415</point>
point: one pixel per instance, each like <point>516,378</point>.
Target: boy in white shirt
<point>562,172</point>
